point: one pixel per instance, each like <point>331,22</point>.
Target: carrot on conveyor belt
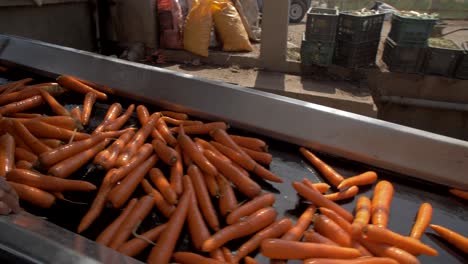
<point>7,153</point>
<point>459,241</point>
<point>77,86</point>
<point>381,201</point>
<point>328,172</point>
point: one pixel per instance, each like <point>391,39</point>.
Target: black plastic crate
<point>441,61</point>
<point>403,58</point>
<point>462,67</point>
<point>411,31</point>
<point>360,55</point>
<point>316,52</point>
<point>321,24</point>
<point>359,29</point>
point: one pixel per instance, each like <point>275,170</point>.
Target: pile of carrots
<point>209,169</point>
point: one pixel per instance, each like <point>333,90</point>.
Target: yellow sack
<point>197,28</point>
<point>229,26</point>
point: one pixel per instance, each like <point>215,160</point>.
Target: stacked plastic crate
<point>318,41</point>
<point>462,68</point>
<point>358,38</point>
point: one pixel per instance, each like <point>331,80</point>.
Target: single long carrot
<point>14,86</point>
<point>44,130</point>
<point>88,103</point>
<point>161,253</point>
<point>143,153</point>
<point>192,258</point>
<point>139,212</point>
<point>321,187</point>
<point>250,207</point>
<point>177,171</point>
<point>328,228</point>
<point>295,233</point>
<point>112,113</point>
<point>255,222</point>
<point>363,215</point>
<point>79,87</point>
<point>99,87</point>
<point>362,260</point>
<point>98,203</point>
<point>195,154</point>
<point>143,117</point>
<point>66,122</point>
<point>365,178</point>
<point>343,194</point>
<point>7,153</point>
<point>221,136</point>
<point>21,106</point>
<point>178,122</point>
<point>383,235</point>
<point>166,134</point>
<point>202,144</point>
<point>167,154</point>
<point>315,237</point>
<point>24,154</point>
<point>121,193</point>
<point>381,201</point>
<point>459,193</point>
<point>105,237</point>
<point>70,165</point>
<point>163,206</point>
<point>211,184</point>
<point>75,113</point>
<point>29,139</point>
<point>136,245</point>
<point>260,157</point>
<point>338,219</point>
<point>53,143</point>
<point>319,200</point>
<point>176,115</point>
<point>454,238</point>
<point>23,164</point>
<point>120,121</point>
<point>282,249</point>
<point>160,181</point>
<point>202,129</point>
<point>251,143</point>
<point>227,197</point>
<point>54,105</point>
<point>328,172</point>
<point>218,255</point>
<point>387,251</point>
<point>25,115</point>
<point>33,195</point>
<point>274,230</point>
<point>423,219</point>
<point>106,158</point>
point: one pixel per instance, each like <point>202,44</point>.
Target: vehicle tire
<point>297,11</point>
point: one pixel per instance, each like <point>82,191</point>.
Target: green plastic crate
<point>321,24</point>
<point>411,31</point>
<point>441,61</point>
<point>315,52</point>
<point>404,59</point>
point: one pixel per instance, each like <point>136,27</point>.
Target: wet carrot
<point>211,184</point>
<point>321,187</point>
<point>459,241</point>
<point>9,98</point>
<point>143,153</point>
<point>79,87</point>
<point>218,255</point>
<point>160,181</point>
<point>459,193</point>
<point>383,250</point>
<point>328,228</point>
<point>195,154</point>
<point>383,195</point>
<point>99,202</point>
<point>250,207</point>
<point>23,164</point>
<point>202,129</point>
<point>14,86</point>
<point>295,233</point>
<point>7,153</point>
<point>315,237</point>
<point>251,143</point>
<point>105,237</point>
<point>29,139</point>
<point>227,197</point>
<point>54,104</point>
<point>253,223</point>
<point>423,219</point>
<point>106,158</point>
<point>88,103</point>
<point>48,183</point>
<point>178,122</point>
<point>274,230</point>
<point>112,113</point>
<point>250,260</point>
<point>260,157</point>
<point>363,214</point>
<point>53,143</point>
<point>140,211</point>
<point>120,121</point>
<point>68,166</point>
<point>365,178</point>
<point>163,206</point>
<point>166,134</point>
<point>319,200</point>
<point>362,260</point>
<point>143,117</point>
<point>121,193</point>
<point>167,154</point>
<point>176,115</point>
<point>25,115</point>
<point>328,172</point>
<point>23,105</point>
<point>66,122</point>
<point>99,87</point>
<point>75,113</point>
<point>282,249</point>
<point>177,171</point>
<point>202,144</point>
<point>136,245</point>
<point>409,244</point>
<point>33,195</point>
<point>339,220</point>
<point>44,130</point>
<point>244,184</point>
<point>221,136</point>
<point>161,253</point>
<point>343,194</point>
<point>192,258</point>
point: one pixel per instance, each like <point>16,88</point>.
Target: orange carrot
<point>167,154</point>
<point>44,130</point>
<point>112,113</point>
<point>340,221</point>
<point>202,144</point>
<point>23,105</point>
<point>88,103</point>
<point>202,129</point>
<point>53,143</point>
<point>120,121</point>
<point>254,144</point>
<point>365,178</point>
<point>221,136</point>
<point>211,184</point>
<point>274,230</point>
<point>343,194</point>
<point>164,131</point>
<point>250,207</point>
<point>54,105</point>
<point>79,87</point>
<point>459,241</point>
<point>27,93</point>
<point>295,233</point>
<point>120,194</point>
<point>143,116</point>
<point>328,228</point>
<point>459,193</point>
<point>177,171</point>
<point>383,235</point>
<point>192,258</point>
<point>136,245</point>
<point>23,133</point>
<point>33,195</point>
<point>362,260</point>
<point>227,255</point>
<point>250,260</point>
<point>7,154</point>
<point>178,122</point>
<point>260,157</point>
<point>24,154</point>
<point>319,200</point>
<point>105,237</point>
<point>383,194</point>
<point>423,220</point>
<point>139,212</point>
<point>106,158</point>
<point>25,115</point>
<point>218,255</point>
<point>98,87</point>
<point>14,86</point>
<point>314,237</point>
<point>68,166</point>
<point>363,214</point>
<point>163,206</point>
<point>282,249</point>
<point>227,197</point>
<point>321,187</point>
<point>161,253</point>
<point>143,153</point>
<point>98,203</point>
<point>383,250</point>
<point>75,113</point>
<point>23,164</point>
<point>189,147</point>
<point>158,178</point>
<point>65,122</point>
<point>328,172</point>
<point>180,116</point>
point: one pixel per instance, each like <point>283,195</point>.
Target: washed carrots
<point>88,103</point>
<point>7,153</point>
<point>314,237</point>
<point>319,200</point>
<point>409,244</point>
<point>260,157</point>
<point>274,230</point>
<point>459,241</point>
<point>227,255</point>
<point>23,105</point>
<point>384,250</point>
<point>48,183</point>
<point>250,260</point>
<point>195,154</point>
<point>255,222</point>
<point>167,154</point>
<point>105,237</point>
<point>363,260</point>
<point>202,144</point>
<point>120,121</point>
<point>136,245</point>
<point>282,249</point>
<point>53,143</point>
<point>328,228</point>
<point>365,178</point>
<point>177,171</point>
<point>22,164</point>
<point>163,206</point>
<point>176,115</point>
<point>75,113</point>
<point>106,158</point>
<point>328,172</point>
<point>178,122</point>
<point>383,195</point>
<point>164,131</point>
<point>143,117</point>
<point>227,197</point>
<point>295,233</point>
<point>423,219</point>
<point>250,207</point>
<point>112,113</point>
<point>202,129</point>
<point>29,139</point>
<point>343,194</point>
<point>192,258</point>
<point>340,221</point>
<point>54,105</point>
<point>79,87</point>
<point>254,144</point>
<point>44,130</point>
<point>321,187</point>
<point>143,153</point>
<point>459,193</point>
<point>33,195</point>
<point>65,122</point>
<point>158,178</point>
<point>98,87</point>
<point>25,115</point>
<point>161,253</point>
<point>363,215</point>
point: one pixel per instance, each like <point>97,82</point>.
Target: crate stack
<point>358,39</point>
<point>318,41</point>
<point>462,68</point>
